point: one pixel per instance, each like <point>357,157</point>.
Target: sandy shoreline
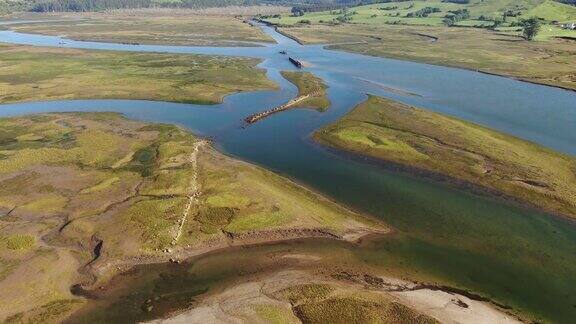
<point>236,304</point>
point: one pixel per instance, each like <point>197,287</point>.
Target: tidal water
<point>519,257</point>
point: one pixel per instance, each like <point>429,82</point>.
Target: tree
<point>297,12</point>
<point>531,28</point>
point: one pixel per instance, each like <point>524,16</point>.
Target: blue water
<point>514,255</point>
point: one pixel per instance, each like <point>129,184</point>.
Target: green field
<point>424,140</point>
<point>72,182</point>
<point>36,73</point>
<point>481,13</point>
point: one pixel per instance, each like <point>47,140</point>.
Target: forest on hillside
<point>99,5</point>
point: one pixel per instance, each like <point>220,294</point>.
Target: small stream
<point>518,257</point>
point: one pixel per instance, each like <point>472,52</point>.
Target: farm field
<point>33,73</point>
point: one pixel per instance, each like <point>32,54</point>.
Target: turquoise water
<point>516,256</point>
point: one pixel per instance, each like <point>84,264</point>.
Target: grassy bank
<point>86,194</point>
<point>36,73</point>
<point>309,84</point>
<point>471,48</point>
<point>413,137</point>
<point>143,27</point>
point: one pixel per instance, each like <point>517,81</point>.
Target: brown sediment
<point>241,240</point>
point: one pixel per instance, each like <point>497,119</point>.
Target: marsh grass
<point>19,242</point>
<point>421,139</point>
<point>128,185</point>
<point>307,84</point>
<point>152,28</point>
<point>355,310</point>
<point>274,314</point>
<point>30,74</point>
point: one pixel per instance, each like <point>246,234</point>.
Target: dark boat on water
<point>297,63</point>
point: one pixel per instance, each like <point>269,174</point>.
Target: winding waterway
<point>515,256</point>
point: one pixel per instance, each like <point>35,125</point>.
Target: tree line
<point>301,6</point>
<point>99,5</point>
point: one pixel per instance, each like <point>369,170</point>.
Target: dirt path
<point>193,191</point>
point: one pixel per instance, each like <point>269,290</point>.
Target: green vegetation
<point>257,221</point>
<point>19,242</point>
<point>147,28</point>
<point>101,5</point>
<point>477,13</point>
<point>354,310</point>
<point>307,293</point>
<point>49,313</point>
<point>8,6</point>
<point>309,84</point>
<point>531,28</point>
<point>30,73</point>
<point>240,199</point>
<point>97,189</point>
<point>416,138</point>
<point>105,184</point>
<point>325,303</point>
<point>273,314</point>
<point>551,10</point>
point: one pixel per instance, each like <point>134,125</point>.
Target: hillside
<point>489,8</point>
<point>550,10</point>
<point>475,13</point>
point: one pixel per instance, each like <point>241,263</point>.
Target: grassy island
<point>309,84</point>
<point>84,195</point>
<point>146,27</point>
<point>424,140</point>
<point>36,73</point>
